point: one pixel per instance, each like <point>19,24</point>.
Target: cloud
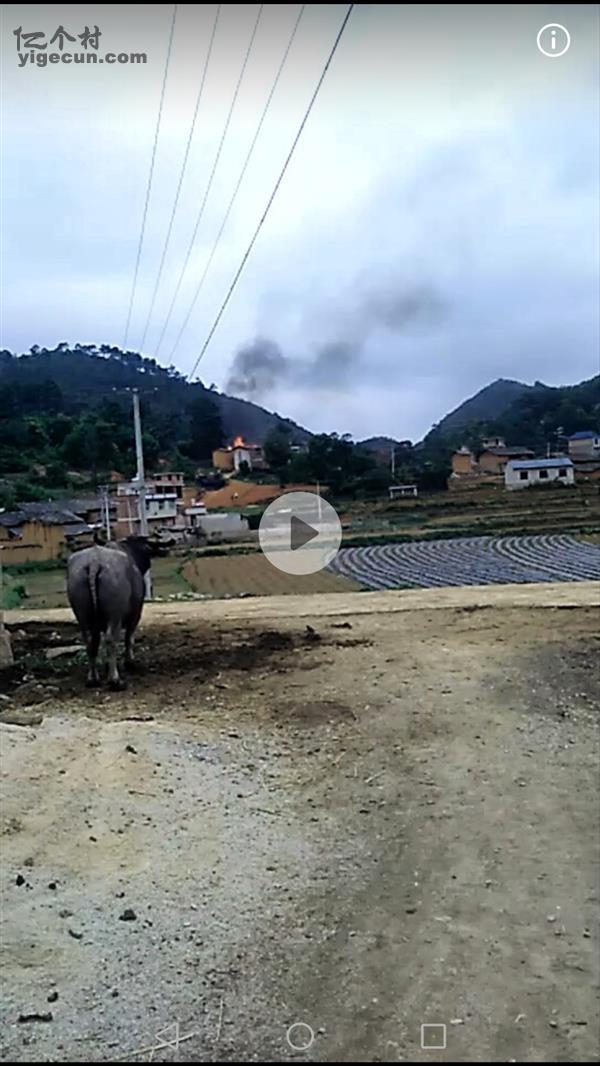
<point>436,229</point>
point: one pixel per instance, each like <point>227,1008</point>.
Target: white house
<point>523,473</point>
<point>194,513</point>
<point>397,491</point>
<point>252,454</point>
<point>224,524</point>
<point>161,505</point>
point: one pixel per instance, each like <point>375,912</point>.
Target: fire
<point>238,442</point>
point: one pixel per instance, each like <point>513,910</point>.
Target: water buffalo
<point>105,586</point>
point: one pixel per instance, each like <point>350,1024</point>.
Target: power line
<point>149,185</point>
<point>274,193</point>
<point>181,177</point>
<point>240,179</point>
<point>210,181</point>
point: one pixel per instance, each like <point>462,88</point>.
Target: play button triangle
<point>300,533</point>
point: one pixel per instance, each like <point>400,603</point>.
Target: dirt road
<point>386,820</point>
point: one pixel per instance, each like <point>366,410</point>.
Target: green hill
<point>70,409</point>
<point>486,405</point>
<point>533,415</point>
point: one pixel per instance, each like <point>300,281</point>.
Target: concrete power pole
<point>140,475</point>
<point>393,460</point>
<point>6,657</point>
<point>105,510</point>
<point>141,480</point>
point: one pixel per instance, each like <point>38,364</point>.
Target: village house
<point>584,445</point>
<point>31,540</point>
<point>223,525</point>
<point>193,513</point>
<point>164,499</point>
<point>230,458</point>
<point>488,464</point>
<point>464,463</point>
<point>396,492</point>
<point>527,473</point>
<point>492,442</point>
<point>91,509</point>
<point>169,483</point>
<point>162,507</point>
<point>584,452</point>
<point>493,459</point>
<point>222,459</point>
<point>39,531</point>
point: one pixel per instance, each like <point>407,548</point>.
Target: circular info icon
<point>300,533</point>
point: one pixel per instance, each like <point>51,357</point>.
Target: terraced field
<point>470,561</point>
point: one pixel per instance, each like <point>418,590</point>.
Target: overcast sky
<point>436,229</point>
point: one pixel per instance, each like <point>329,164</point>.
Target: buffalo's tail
<point>93,572</point>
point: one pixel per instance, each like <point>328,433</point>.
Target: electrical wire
<point>181,177</point>
<point>150,175</point>
<point>240,179</point>
<point>210,181</point>
<point>273,194</point>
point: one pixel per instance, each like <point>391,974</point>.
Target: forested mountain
<point>71,408</point>
<point>489,403</point>
<point>537,416</point>
<point>68,410</point>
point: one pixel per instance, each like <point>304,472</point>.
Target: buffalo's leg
<point>129,649</point>
<point>92,642</point>
<point>112,643</point>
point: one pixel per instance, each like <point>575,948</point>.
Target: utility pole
<point>139,455</point>
<point>393,460</point>
<point>105,510</point>
<point>6,656</point>
<point>141,480</point>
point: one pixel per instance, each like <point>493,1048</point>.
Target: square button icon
<point>433,1037</point>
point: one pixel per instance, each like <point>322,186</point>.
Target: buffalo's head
<point>143,549</point>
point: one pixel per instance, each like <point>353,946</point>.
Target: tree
<point>205,429</point>
<point>299,469</point>
<point>56,474</point>
<point>331,459</point>
<point>277,451</point>
<point>8,498</point>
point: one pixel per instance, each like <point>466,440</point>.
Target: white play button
<point>300,533</point>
